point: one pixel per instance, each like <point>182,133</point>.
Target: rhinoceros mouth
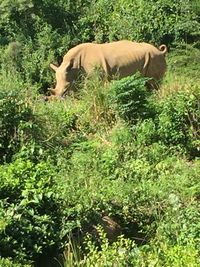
<point>58,92</point>
<point>52,91</point>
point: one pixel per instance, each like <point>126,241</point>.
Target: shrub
<point>155,21</point>
<point>13,113</point>
<point>178,121</point>
<point>117,254</point>
<point>131,99</point>
<point>167,255</point>
<point>174,124</point>
<point>11,263</point>
<point>31,215</point>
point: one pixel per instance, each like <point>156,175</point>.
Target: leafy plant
<point>179,121</point>
<point>31,217</point>
<point>130,97</point>
<point>13,112</point>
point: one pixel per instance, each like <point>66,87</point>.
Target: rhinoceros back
<point>124,58</point>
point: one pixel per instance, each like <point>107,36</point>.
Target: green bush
<point>131,99</point>
<point>14,113</point>
<point>11,263</point>
<point>117,253</point>
<point>167,255</point>
<point>178,121</point>
<point>174,124</point>
<point>31,214</point>
<point>154,21</point>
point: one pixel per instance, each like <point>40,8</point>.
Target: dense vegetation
<point>114,150</point>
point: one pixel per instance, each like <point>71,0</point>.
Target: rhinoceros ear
<point>53,66</point>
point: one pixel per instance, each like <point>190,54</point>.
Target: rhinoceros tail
<point>163,49</point>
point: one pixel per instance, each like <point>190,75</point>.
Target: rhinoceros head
<point>65,75</point>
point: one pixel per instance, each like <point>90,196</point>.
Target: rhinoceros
<point>117,59</point>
